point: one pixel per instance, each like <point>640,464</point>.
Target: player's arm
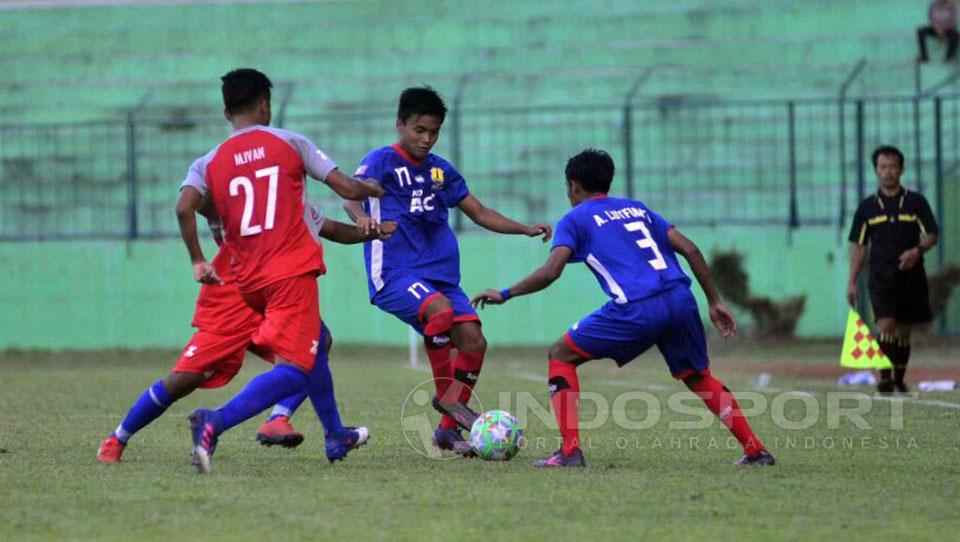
<point>494,221</point>
<point>365,223</point>
<point>858,255</point>
<point>188,204</point>
<point>720,315</point>
<point>345,234</point>
<point>352,189</point>
<point>544,276</point>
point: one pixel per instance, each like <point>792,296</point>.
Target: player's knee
<point>693,379</point>
<point>561,352</point>
<point>436,332</point>
<point>179,385</point>
<point>886,325</point>
<point>440,303</point>
<point>556,350</point>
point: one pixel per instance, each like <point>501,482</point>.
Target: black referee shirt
<point>892,225</point>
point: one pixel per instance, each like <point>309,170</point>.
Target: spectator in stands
<point>943,25</point>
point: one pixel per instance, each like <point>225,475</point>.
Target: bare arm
<point>858,254</point>
<point>365,223</point>
<point>345,234</point>
<point>494,221</point>
<point>911,256</point>
<point>720,315</point>
<point>544,276</point>
<point>188,204</point>
<point>352,189</point>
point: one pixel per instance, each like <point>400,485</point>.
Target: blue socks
<point>319,389</point>
<point>263,391</point>
<point>321,394</point>
<point>150,406</point>
<point>288,406</point>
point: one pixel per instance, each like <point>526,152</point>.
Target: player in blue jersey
<point>632,252</point>
<point>415,275</point>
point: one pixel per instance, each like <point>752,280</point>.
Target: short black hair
<point>593,169</point>
<point>421,101</point>
<point>887,150</point>
<point>243,89</point>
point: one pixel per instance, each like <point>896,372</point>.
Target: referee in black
<point>898,227</point>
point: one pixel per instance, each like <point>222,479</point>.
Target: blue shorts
<point>406,297</point>
<point>669,320</point>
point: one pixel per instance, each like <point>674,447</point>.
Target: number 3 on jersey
<point>270,173</point>
<point>647,242</point>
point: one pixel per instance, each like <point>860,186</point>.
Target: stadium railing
<point>778,163</point>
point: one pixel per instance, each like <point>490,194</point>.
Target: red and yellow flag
<point>860,349</point>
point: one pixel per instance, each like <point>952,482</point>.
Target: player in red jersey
<point>255,181</point>
<point>215,353</point>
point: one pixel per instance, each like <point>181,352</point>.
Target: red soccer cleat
<point>279,431</point>
<point>111,450</point>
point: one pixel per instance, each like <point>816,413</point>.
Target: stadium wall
<point>115,294</point>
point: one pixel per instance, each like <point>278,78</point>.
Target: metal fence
<point>784,164</point>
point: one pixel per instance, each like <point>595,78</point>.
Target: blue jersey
<point>418,195</point>
<point>626,246</point>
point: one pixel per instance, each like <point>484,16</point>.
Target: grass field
<point>664,481</point>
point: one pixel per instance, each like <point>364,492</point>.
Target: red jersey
<point>256,181</point>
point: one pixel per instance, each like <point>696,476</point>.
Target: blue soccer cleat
<point>763,458</point>
<point>204,440</point>
<point>452,440</point>
<point>339,444</point>
<point>558,460</point>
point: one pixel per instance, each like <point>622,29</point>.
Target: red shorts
<point>291,318</point>
<point>218,356</point>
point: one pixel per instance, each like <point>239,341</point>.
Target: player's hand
<point>723,320</point>
<point>387,228</point>
<point>538,229</point>
<point>204,272</point>
<point>487,297</point>
<point>852,294</point>
<point>909,258</point>
<point>373,188</point>
<point>367,225</point>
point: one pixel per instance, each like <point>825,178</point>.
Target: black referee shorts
<point>901,295</point>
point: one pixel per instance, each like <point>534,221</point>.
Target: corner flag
<point>860,349</point>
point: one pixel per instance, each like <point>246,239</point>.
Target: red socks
<point>564,394</point>
<point>436,334</point>
<point>466,371</point>
<point>722,403</point>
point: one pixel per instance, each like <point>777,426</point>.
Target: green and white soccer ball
<point>495,435</point>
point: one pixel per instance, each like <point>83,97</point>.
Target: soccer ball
<point>495,435</point>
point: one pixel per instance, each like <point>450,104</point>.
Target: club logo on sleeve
<point>191,351</point>
<point>362,169</point>
<point>436,175</point>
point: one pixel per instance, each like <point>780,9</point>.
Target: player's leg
<point>208,360</point>
<point>470,343</point>
<point>564,385</point>
<point>881,284</point>
<point>416,302</point>
<point>887,339</point>
<point>290,329</point>
<point>436,317</point>
<point>684,347</point>
<point>912,307</point>
<point>902,337</point>
<point>339,440</point>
